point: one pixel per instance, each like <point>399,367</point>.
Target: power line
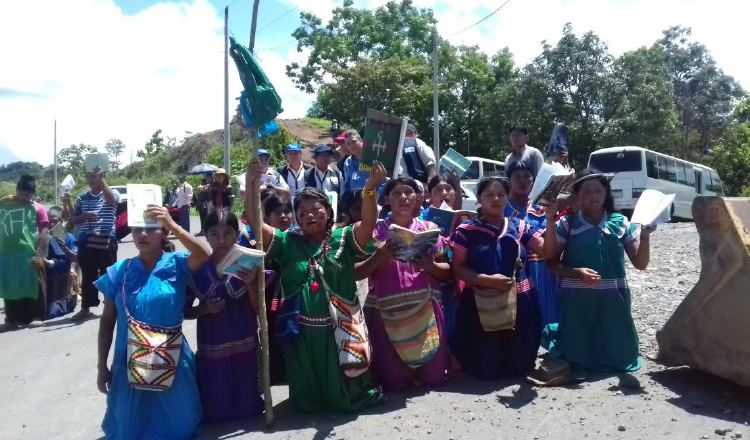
<point>485,18</point>
<point>292,9</point>
<point>276,47</point>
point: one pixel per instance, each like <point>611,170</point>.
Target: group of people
<point>348,320</point>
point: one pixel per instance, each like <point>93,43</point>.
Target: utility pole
<point>227,158</point>
<point>435,103</point>
<point>253,26</point>
<point>57,192</point>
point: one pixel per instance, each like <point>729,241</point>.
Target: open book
<point>408,245</point>
<point>447,219</point>
<point>653,208</point>
<point>550,182</point>
<point>240,259</point>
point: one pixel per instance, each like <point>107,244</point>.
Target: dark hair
<point>487,181</point>
<point>609,201</point>
<point>349,200</point>
<point>519,129</point>
<point>408,181</point>
<point>313,195</point>
<point>273,202</point>
<point>266,193</point>
<point>166,245</point>
<point>26,183</point>
<point>222,217</point>
<point>451,180</point>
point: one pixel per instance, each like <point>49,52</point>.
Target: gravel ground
<point>48,377</point>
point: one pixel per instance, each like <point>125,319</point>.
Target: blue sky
<point>124,68</point>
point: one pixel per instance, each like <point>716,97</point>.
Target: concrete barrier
<point>710,330</point>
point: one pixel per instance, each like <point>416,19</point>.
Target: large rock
<point>710,330</point>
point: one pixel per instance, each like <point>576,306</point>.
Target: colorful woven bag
<point>497,311</point>
<point>349,331</point>
<point>412,330</point>
<point>153,351</point>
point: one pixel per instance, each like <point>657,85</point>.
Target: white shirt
<point>425,153</point>
<point>273,178</point>
<point>324,181</point>
<point>296,180</point>
<point>184,195</point>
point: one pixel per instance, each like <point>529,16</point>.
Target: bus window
<point>671,171</point>
<point>716,185</point>
<point>662,162</point>
<point>473,171</point>
<point>616,162</point>
<point>681,177</point>
<point>651,166</point>
<point>690,174</point>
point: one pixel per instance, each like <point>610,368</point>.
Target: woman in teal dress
<point>153,288</point>
<point>309,260</point>
<point>596,332</point>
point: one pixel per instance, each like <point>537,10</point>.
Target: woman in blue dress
<point>521,180</point>
<point>153,288</point>
<point>485,254</point>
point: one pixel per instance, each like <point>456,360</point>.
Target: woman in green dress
<point>596,332</point>
<point>316,380</point>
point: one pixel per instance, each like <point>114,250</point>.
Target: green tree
<point>392,31</point>
<point>732,159</point>
<point>71,159</point>
<point>114,148</point>
<point>639,102</point>
<point>155,145</point>
<point>704,96</point>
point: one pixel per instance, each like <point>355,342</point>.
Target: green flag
<point>18,240</point>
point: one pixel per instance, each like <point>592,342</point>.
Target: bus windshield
<point>616,162</point>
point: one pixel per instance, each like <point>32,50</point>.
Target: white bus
<point>637,169</point>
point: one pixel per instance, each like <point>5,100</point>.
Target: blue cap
<point>322,148</point>
<point>515,166</point>
<point>293,147</point>
<point>263,152</point>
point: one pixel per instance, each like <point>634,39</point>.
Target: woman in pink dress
<point>405,322</point>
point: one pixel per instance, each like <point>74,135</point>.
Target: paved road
<point>48,391</point>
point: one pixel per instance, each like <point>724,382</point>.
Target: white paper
<point>241,182</point>
<point>333,199</point>
<point>139,197</point>
<point>651,207</point>
<point>446,206</point>
<point>68,183</point>
<point>544,175</point>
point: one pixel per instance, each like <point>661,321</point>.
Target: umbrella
<point>203,168</point>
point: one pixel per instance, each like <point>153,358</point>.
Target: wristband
<point>370,193</point>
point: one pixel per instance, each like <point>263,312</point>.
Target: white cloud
<point>104,74</point>
<point>624,25</point>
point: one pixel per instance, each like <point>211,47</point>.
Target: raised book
<point>96,163</point>
<point>240,259</point>
<point>550,182</point>
<point>408,245</point>
<point>452,160</point>
<point>382,141</point>
<point>139,197</point>
<point>653,207</point>
<point>447,220</point>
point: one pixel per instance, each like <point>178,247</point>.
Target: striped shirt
<point>105,223</point>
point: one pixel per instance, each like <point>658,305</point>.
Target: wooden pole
<point>257,226</point>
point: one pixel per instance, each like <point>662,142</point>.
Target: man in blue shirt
<point>353,178</point>
<point>97,248</point>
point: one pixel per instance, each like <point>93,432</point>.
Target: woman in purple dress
<point>227,330</point>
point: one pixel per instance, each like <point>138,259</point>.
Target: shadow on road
<point>715,397</point>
